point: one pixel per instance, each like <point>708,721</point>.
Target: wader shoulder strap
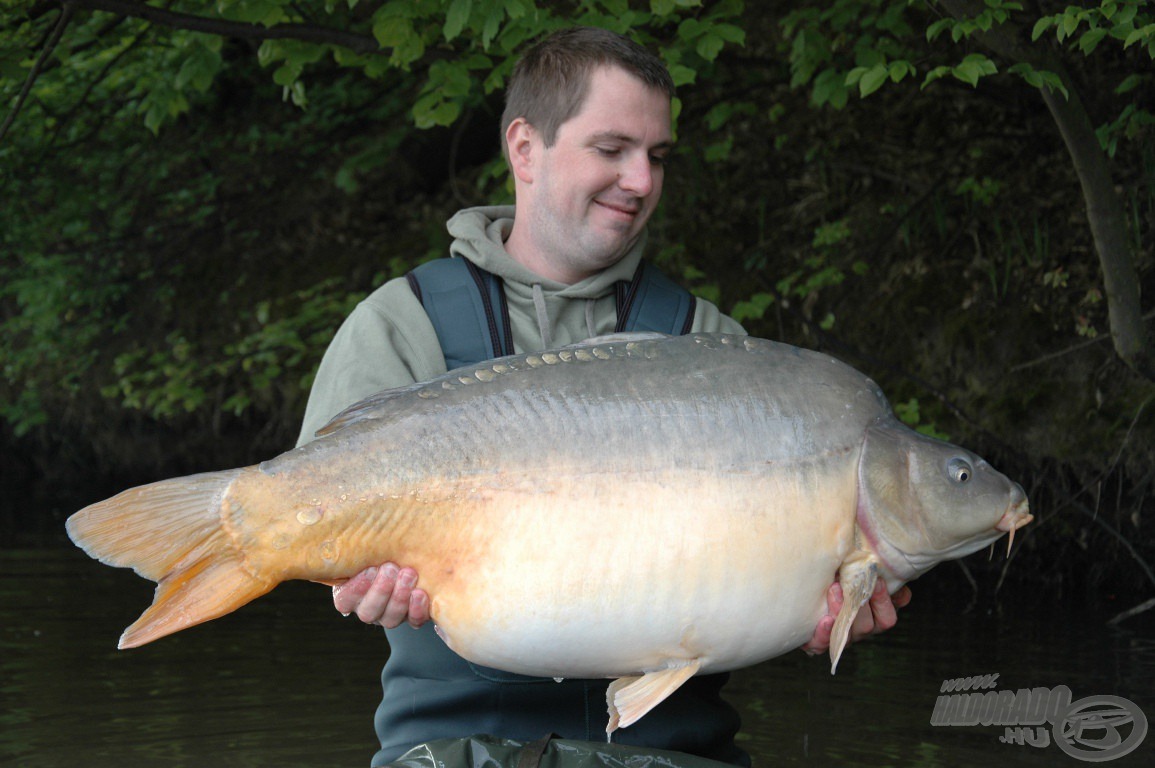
<point>469,312</point>
<point>467,307</point>
<point>654,302</point>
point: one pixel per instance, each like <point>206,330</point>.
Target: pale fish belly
<point>606,579</point>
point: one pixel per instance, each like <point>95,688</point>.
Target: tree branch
<point>66,11</point>
<point>310,33</point>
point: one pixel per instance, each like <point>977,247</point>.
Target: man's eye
<point>659,159</point>
<point>608,151</point>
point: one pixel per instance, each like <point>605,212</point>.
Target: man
<point>586,132</point>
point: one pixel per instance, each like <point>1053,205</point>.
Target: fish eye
<point>959,470</point>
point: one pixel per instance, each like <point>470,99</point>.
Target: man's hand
<point>878,615</point>
<point>386,595</point>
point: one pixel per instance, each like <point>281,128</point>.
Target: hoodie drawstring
<point>542,316</point>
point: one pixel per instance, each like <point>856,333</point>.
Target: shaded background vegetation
<point>188,216</point>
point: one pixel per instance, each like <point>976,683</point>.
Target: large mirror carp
<point>638,507</point>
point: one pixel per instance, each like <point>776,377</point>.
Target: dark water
<point>286,682</point>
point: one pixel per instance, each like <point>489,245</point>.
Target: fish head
<point>922,501</point>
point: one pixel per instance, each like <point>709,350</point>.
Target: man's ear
<point>522,141</point>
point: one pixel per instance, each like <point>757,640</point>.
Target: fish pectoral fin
<point>857,577</point>
<point>630,698</point>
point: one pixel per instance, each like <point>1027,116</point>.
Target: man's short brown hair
<point>549,83</point>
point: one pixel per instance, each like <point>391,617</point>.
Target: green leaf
<point>730,33</point>
<point>392,31</point>
<point>456,17</point>
<point>973,67</point>
<point>199,69</point>
<point>1130,83</point>
<point>872,80</point>
<point>854,75</point>
<point>286,74</point>
<point>432,110</point>
<point>709,46</point>
<point>1090,39</point>
<point>1028,73</point>
<point>899,69</point>
<point>936,29</point>
<point>682,74</point>
<point>1142,33</point>
<point>935,74</point>
<point>1070,23</point>
<point>1041,26</point>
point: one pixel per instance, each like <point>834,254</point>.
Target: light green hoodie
<point>388,341</point>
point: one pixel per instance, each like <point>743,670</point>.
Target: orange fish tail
<point>170,532</point>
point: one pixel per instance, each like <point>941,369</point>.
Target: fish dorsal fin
<point>372,407</point>
<point>630,698</point>
<point>857,576</point>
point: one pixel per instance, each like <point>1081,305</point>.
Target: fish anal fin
<point>204,590</point>
<point>630,698</point>
<point>857,576</point>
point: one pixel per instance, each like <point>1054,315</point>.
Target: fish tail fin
<point>170,532</point>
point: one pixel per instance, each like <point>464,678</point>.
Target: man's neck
<point>525,253</point>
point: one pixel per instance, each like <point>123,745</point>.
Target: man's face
<point>593,191</point>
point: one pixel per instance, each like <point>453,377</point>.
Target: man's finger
<point>347,596</point>
<point>373,603</point>
<point>400,588</point>
<point>418,608</point>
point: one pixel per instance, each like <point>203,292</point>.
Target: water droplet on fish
<point>328,550</point>
<point>281,541</point>
<point>309,516</point>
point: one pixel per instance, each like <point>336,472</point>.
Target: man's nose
<point>638,175</point>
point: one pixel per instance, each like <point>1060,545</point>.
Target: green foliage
<point>910,414</point>
<point>183,374</point>
<point>69,318</point>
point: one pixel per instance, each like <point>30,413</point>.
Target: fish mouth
<point>1013,519</point>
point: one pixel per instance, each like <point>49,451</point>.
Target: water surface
<point>287,682</point>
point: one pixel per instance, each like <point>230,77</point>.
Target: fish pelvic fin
<point>170,532</point>
<point>630,698</point>
<point>857,577</point>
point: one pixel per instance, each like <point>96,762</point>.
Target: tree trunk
<point>1105,211</point>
